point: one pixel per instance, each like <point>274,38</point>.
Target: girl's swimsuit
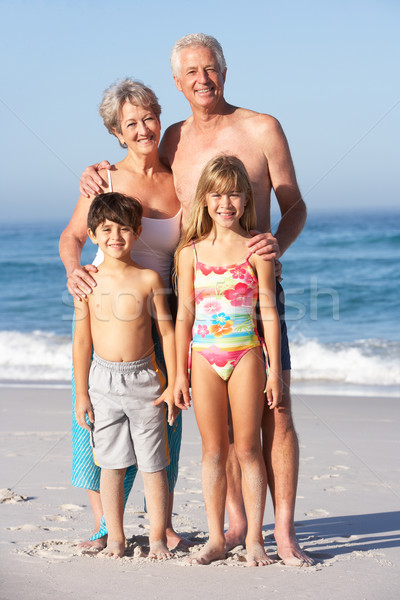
<point>225,327</point>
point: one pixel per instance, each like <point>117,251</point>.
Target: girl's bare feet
<point>159,550</point>
<point>256,555</point>
<point>114,550</point>
<point>207,554</point>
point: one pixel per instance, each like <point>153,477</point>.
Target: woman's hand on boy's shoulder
<point>80,283</point>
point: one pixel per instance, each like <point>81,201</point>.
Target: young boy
<point>121,391</point>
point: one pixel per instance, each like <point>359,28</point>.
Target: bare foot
<point>159,550</point>
<point>207,554</point>
<point>94,545</point>
<point>256,555</point>
<point>290,553</point>
<point>234,538</point>
<point>174,540</point>
<point>114,550</point>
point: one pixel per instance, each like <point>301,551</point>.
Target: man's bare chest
<point>192,155</point>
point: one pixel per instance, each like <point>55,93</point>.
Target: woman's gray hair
<point>125,90</point>
<point>196,39</point>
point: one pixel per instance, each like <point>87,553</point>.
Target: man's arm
<point>284,182</point>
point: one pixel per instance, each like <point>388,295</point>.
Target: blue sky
<point>327,69</point>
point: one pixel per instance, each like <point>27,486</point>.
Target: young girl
<point>219,284</point>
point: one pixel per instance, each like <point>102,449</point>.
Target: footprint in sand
<point>72,507</point>
<point>53,487</point>
<point>29,527</point>
<point>52,551</point>
<point>7,495</point>
<point>335,488</point>
<point>341,452</point>
<point>60,518</point>
<point>340,468</point>
<point>317,512</point>
<point>326,476</point>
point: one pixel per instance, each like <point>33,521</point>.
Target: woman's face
<point>140,128</point>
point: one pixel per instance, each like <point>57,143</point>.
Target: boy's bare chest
<point>120,303</point>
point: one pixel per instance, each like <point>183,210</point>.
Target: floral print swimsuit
<point>224,328</point>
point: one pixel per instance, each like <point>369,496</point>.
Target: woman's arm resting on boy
<point>73,238</point>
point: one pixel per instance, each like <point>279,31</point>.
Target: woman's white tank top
<point>156,245</point>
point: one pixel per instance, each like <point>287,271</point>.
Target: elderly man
<point>215,127</point>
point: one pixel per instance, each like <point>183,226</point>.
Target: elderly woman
<point>131,112</point>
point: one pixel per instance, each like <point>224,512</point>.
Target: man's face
<point>200,79</point>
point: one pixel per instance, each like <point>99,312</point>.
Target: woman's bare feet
<point>256,555</point>
<point>159,550</point>
<point>94,545</point>
<point>174,540</point>
<point>114,550</point>
<point>207,554</point>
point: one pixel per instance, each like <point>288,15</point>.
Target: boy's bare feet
<point>207,554</point>
<point>174,540</point>
<point>114,550</point>
<point>290,553</point>
<point>256,555</point>
<point>159,550</point>
<point>94,545</point>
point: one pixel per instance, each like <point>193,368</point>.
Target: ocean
<point>342,285</point>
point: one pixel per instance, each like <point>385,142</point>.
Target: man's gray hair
<point>196,39</point>
<point>125,90</point>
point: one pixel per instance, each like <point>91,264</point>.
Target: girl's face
<point>226,209</point>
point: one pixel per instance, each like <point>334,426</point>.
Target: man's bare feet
<point>174,540</point>
<point>114,550</point>
<point>94,545</point>
<point>207,554</point>
<point>256,555</point>
<point>159,550</point>
<point>290,553</point>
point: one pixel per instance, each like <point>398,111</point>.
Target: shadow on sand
<point>349,533</point>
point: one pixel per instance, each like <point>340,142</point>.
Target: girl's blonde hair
<point>221,174</point>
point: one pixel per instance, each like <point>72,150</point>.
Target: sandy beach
<point>347,512</point>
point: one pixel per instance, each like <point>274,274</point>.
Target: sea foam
<point>46,358</point>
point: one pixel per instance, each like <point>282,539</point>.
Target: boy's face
<point>113,239</point>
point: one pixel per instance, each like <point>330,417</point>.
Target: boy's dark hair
<point>115,207</point>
